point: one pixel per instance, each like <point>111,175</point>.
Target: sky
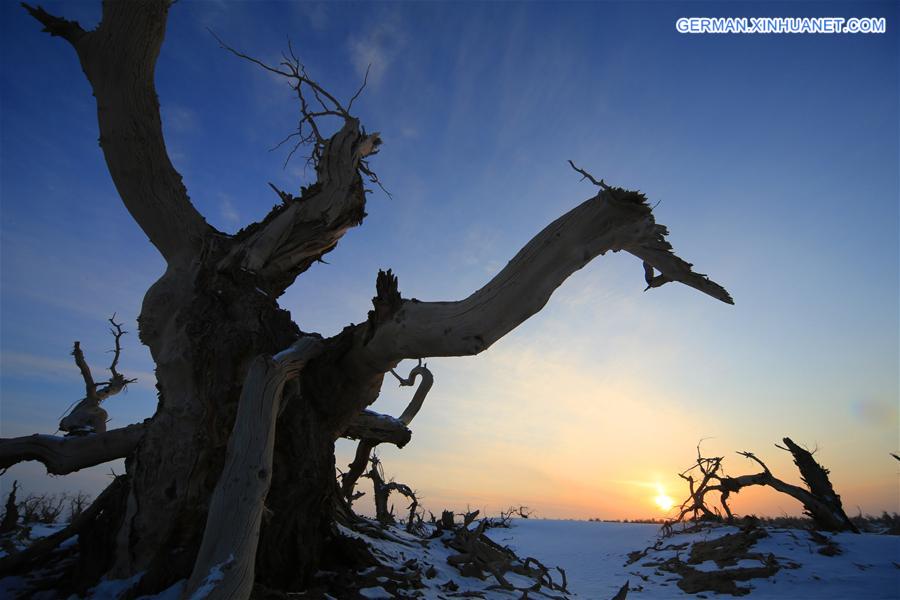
<point>774,159</point>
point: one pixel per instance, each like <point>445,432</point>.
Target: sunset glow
<point>662,500</point>
<point>592,407</point>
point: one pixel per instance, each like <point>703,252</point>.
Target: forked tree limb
<point>613,220</point>
<point>225,564</point>
<point>87,416</point>
<point>64,455</point>
<point>119,58</point>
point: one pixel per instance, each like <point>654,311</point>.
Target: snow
<point>375,592</point>
<point>216,574</point>
<point>594,556</point>
<point>108,589</point>
<point>591,553</point>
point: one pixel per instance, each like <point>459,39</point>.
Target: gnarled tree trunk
<point>212,320</point>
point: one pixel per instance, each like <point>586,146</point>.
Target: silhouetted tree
<point>233,478</point>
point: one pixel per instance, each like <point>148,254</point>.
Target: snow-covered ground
<point>594,556</point>
<point>600,557</point>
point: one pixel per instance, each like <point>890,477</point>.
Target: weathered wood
<point>606,222</point>
<point>378,429</point>
<point>225,565</point>
<point>87,416</point>
<point>64,455</point>
<point>827,511</point>
<point>214,310</point>
<point>11,512</point>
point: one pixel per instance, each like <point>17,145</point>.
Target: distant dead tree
<point>11,512</point>
<point>820,502</point>
<point>231,483</point>
<point>382,491</point>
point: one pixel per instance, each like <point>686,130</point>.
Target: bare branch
<point>64,455</point>
<point>378,428</point>
<point>300,231</point>
<point>585,175</point>
<point>90,388</point>
<point>70,31</point>
<point>118,58</point>
<point>820,501</point>
<point>372,429</point>
<point>600,224</point>
<point>361,88</point>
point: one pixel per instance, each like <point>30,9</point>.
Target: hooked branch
<point>372,429</point>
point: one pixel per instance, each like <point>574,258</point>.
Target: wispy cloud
<point>178,119</point>
<point>314,13</point>
<point>376,49</point>
<point>228,211</point>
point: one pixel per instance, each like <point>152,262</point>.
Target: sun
<point>662,500</point>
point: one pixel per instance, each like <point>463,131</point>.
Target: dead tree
<point>382,491</point>
<point>11,513</point>
<point>250,406</point>
<point>820,502</point>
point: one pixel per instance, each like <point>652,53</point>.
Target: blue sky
<point>774,158</point>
